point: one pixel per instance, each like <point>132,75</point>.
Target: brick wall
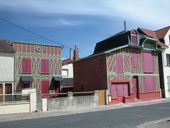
<point>90,74</point>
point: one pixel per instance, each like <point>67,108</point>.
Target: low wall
<point>19,103</point>
<point>14,108</point>
<point>70,102</point>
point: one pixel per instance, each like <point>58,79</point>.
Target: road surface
<point>117,118</point>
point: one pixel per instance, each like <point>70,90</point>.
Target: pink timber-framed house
<point>125,65</point>
<point>38,66</point>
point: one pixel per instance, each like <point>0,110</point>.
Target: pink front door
<point>135,88</point>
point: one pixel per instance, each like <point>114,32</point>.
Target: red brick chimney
<point>76,52</point>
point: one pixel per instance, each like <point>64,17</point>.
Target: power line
<point>34,33</point>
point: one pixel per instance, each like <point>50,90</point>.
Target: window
<point>134,58</point>
<point>149,84</point>
<point>65,72</point>
<point>149,45</point>
<point>44,86</point>
<point>119,63</point>
<point>147,62</point>
<point>168,60</point>
<point>168,78</point>
<point>26,65</point>
<point>44,66</point>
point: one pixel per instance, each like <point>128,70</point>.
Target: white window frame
<point>67,73</point>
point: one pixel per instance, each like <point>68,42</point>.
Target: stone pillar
<point>44,104</point>
<point>70,99</point>
<point>108,97</point>
<point>33,102</point>
<point>96,98</point>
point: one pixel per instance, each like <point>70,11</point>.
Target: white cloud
<point>152,12</point>
<point>51,22</point>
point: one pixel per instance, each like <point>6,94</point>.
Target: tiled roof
<point>148,32</point>
<point>162,32</point>
<point>154,34</point>
<point>6,47</point>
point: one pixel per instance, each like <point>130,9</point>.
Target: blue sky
<point>79,22</point>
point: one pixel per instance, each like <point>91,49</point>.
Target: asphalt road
<point>118,118</point>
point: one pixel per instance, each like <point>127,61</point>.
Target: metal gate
<point>102,97</point>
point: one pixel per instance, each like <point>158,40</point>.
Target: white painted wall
<point>6,67</point>
<point>14,108</point>
<point>165,67</point>
<point>68,67</point>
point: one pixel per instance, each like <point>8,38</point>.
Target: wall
<point>70,102</point>
<point>14,108</point>
<point>68,67</point>
<point>166,69</point>
<point>90,74</point>
<point>130,71</point>
<point>21,106</point>
<point>7,67</point>
<point>36,52</point>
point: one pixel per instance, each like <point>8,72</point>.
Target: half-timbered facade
<point>37,66</point>
<point>126,65</point>
<point>163,37</point>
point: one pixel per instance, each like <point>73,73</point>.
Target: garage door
<point>119,90</point>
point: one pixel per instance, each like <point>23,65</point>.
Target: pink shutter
<point>134,58</point>
<point>125,90</point>
<point>44,86</point>
<point>120,89</point>
<point>119,63</point>
<point>113,91</point>
<point>44,66</point>
<point>26,65</point>
<point>149,83</point>
<point>147,62</point>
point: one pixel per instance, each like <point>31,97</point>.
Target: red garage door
<point>119,89</point>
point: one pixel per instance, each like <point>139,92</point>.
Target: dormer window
<point>134,39</point>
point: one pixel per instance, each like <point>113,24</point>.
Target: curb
<point>73,111</point>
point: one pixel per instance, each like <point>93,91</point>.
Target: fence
<point>18,103</point>
<point>70,100</point>
<point>12,98</point>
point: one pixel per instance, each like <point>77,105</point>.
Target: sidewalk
<point>22,116</point>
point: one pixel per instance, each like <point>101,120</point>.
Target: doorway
<point>135,87</point>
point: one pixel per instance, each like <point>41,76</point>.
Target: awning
<point>26,78</point>
<point>67,81</point>
<point>58,78</point>
<point>55,79</point>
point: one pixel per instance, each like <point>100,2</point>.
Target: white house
<point>163,39</point>
<point>6,67</point>
<point>67,71</point>
<point>166,61</point>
